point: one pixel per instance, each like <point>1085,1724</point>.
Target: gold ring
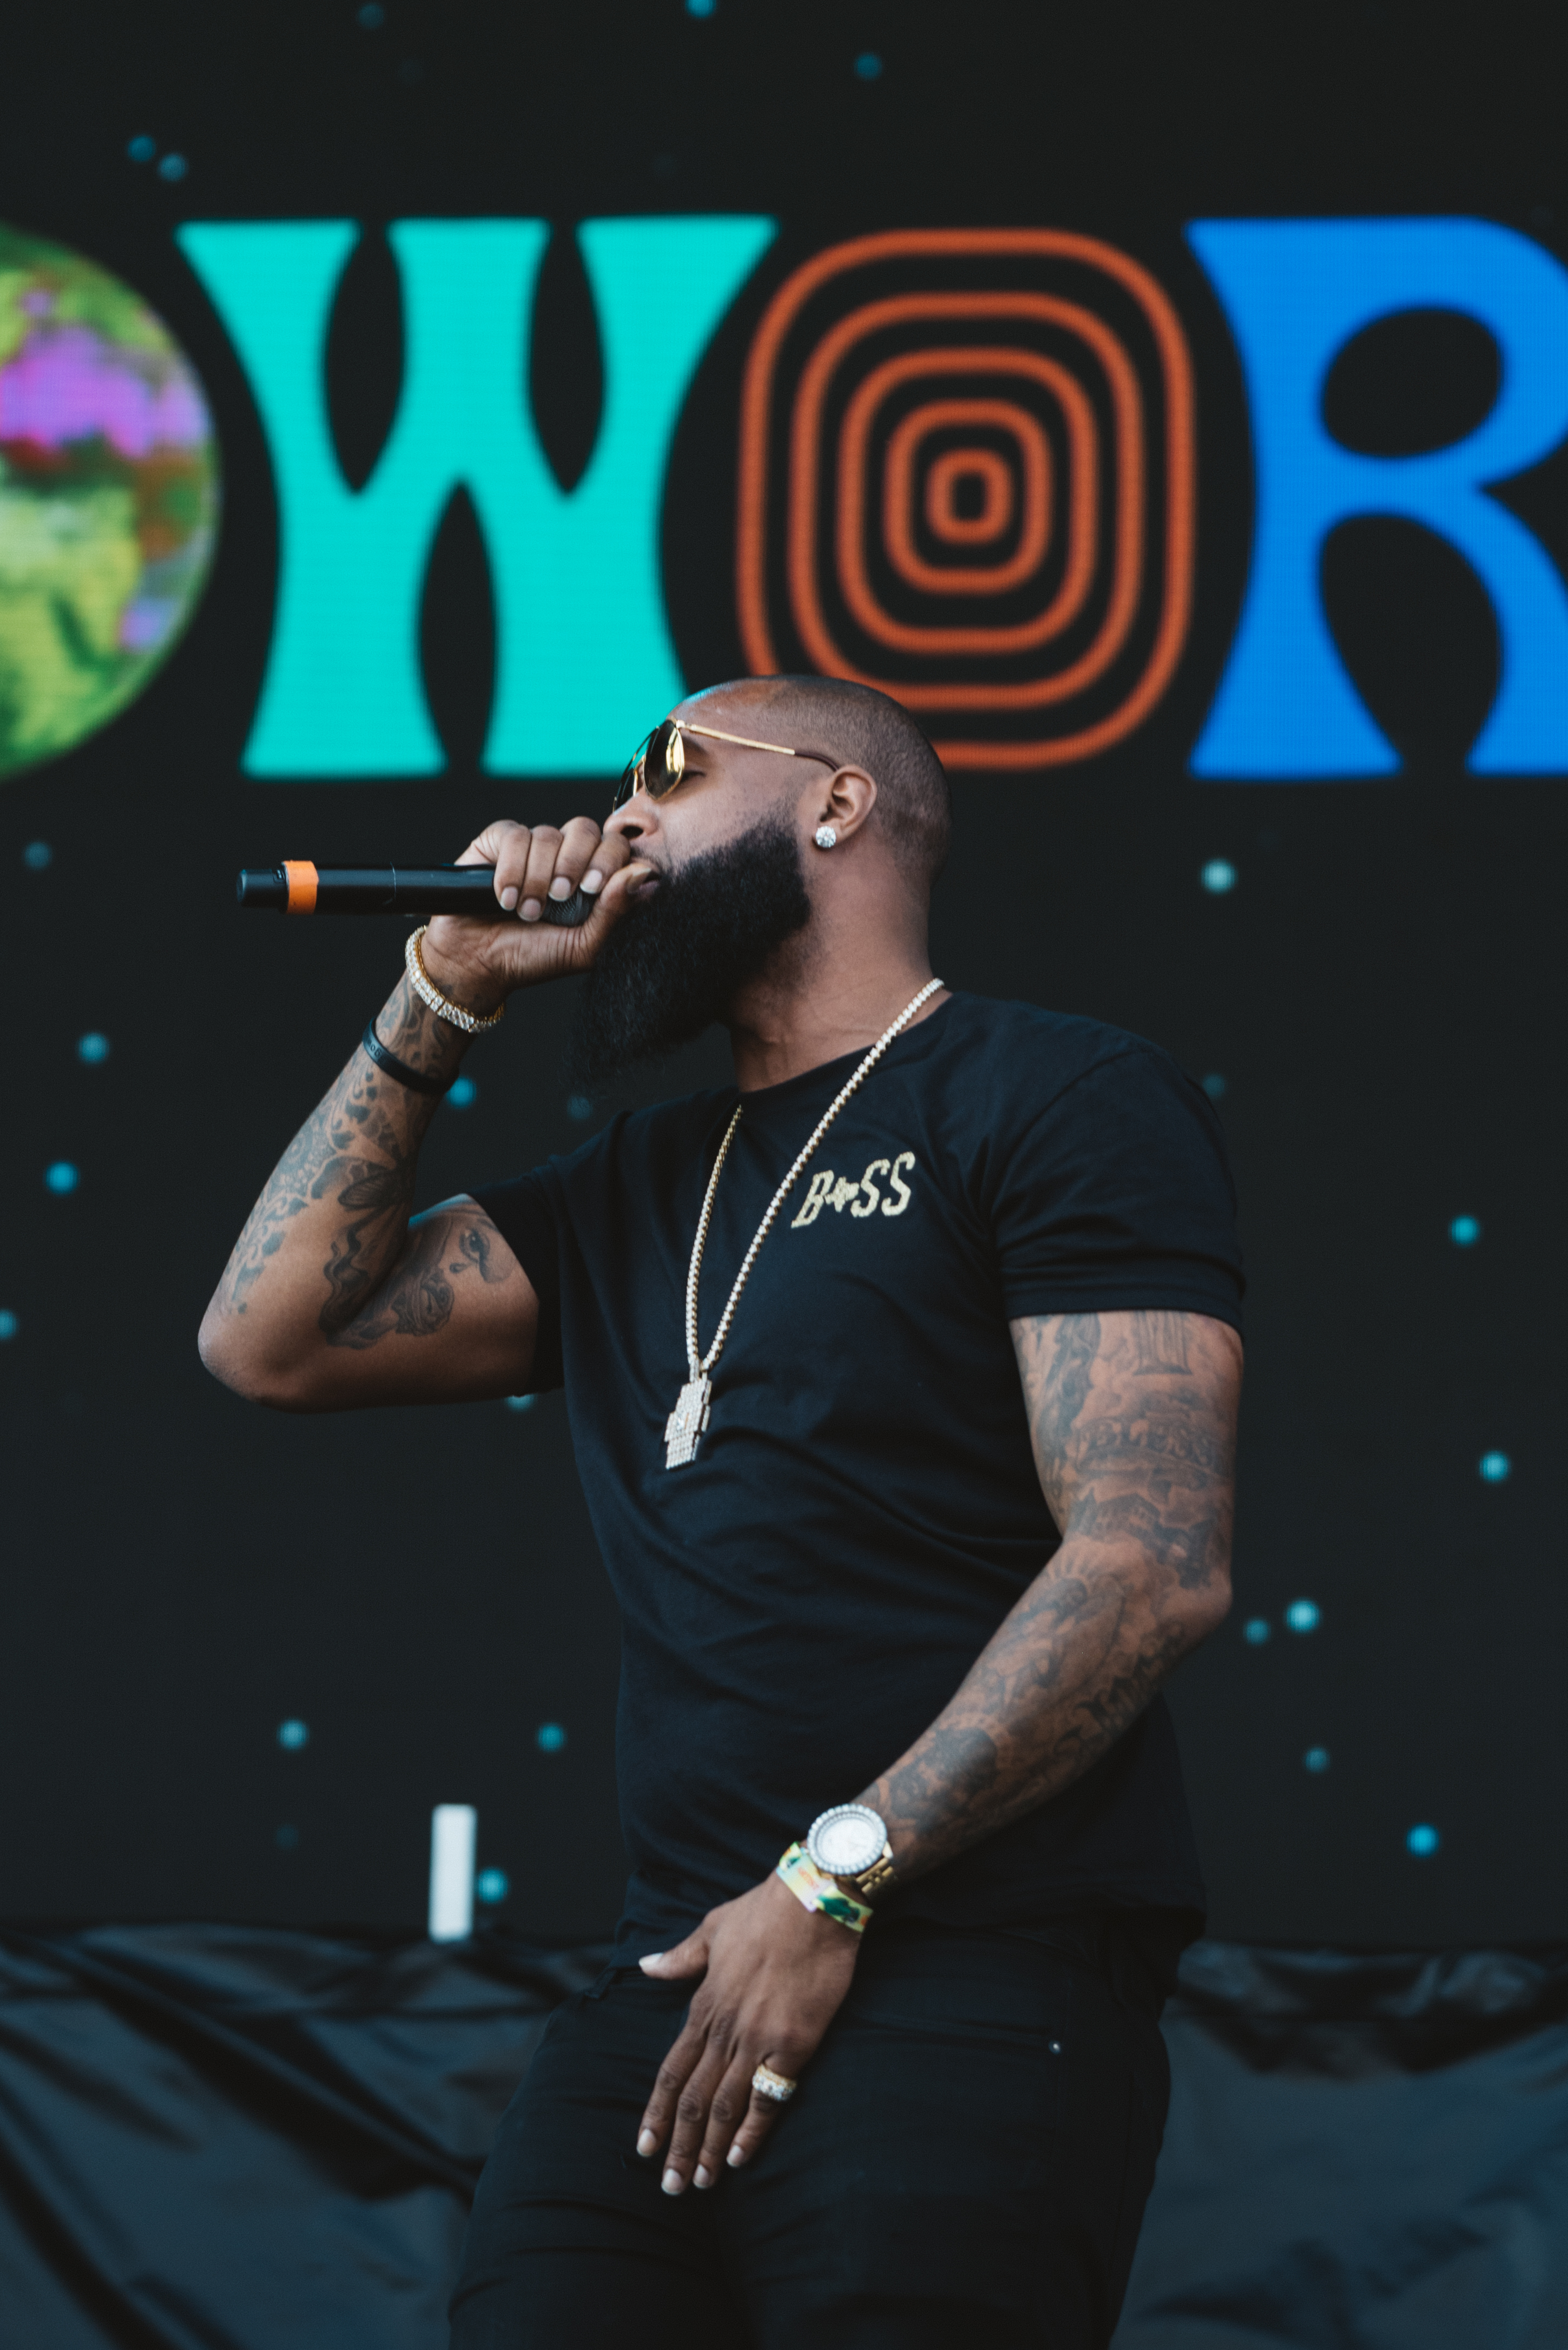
<point>776,2085</point>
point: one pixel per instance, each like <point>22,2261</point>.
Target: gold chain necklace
<point>689,1417</point>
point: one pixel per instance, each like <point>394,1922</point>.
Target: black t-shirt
<point>805,1597</point>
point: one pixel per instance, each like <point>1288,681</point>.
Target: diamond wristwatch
<point>851,1843</point>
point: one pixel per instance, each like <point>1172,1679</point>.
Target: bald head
<point>863,728</point>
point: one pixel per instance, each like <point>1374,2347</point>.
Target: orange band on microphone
<point>301,879</point>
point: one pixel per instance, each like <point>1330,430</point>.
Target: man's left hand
<point>775,1976</point>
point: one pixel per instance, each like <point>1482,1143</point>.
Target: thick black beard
<point>672,966</point>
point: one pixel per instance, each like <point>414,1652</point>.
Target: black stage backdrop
<point>1373,995</point>
<point>1377,992</point>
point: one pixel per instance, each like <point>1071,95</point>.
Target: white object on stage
<point>454,1831</point>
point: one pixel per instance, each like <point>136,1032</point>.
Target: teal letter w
<point>584,661</point>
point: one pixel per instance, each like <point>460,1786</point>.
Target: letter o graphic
<point>1003,496</point>
<point>945,481</point>
<point>966,478</point>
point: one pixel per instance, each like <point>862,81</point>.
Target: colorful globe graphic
<point>108,497</point>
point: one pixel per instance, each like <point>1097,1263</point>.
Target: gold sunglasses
<point>657,765</point>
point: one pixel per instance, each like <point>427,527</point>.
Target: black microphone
<point>297,887</point>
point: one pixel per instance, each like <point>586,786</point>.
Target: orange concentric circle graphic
<point>966,477</point>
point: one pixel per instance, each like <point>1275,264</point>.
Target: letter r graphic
<point>584,661</point>
<point>1295,292</point>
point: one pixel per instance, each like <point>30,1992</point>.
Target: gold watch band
<point>875,1879</point>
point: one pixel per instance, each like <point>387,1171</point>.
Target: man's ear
<point>843,803</point>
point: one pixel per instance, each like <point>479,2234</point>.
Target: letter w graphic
<point>584,661</point>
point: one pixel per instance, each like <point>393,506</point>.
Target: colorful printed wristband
<point>813,1890</point>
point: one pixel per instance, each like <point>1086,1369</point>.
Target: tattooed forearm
<point>330,1264</point>
<point>376,1198</point>
<point>355,1153</point>
<point>1133,1420</point>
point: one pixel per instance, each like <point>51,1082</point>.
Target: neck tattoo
<point>683,1429</point>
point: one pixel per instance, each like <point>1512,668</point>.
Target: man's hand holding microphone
<point>479,964</point>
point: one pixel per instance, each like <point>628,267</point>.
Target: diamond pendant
<point>686,1421</point>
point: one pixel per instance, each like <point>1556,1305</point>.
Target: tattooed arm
<point>1133,1417</point>
<point>329,1265</point>
<point>329,1276</point>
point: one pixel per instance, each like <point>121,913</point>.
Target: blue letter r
<point>1295,293</point>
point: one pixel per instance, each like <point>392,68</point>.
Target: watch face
<point>845,1842</point>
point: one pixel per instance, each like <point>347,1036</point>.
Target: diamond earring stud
<point>825,836</point>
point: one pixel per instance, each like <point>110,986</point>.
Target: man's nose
<point>632,821</point>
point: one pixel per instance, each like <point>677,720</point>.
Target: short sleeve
<point>522,1211</point>
<point>1117,1196</point>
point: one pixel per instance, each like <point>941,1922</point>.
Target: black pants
<point>964,2168</point>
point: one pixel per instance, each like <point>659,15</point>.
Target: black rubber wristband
<point>383,1059</point>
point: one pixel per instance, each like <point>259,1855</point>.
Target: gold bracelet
<point>472,1024</point>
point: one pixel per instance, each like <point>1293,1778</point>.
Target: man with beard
<point>902,1377</point>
